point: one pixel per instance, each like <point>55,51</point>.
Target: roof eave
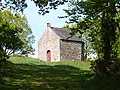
<point>72,40</point>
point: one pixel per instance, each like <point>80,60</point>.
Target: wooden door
<point>49,56</point>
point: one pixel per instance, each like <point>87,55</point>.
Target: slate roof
<point>64,33</point>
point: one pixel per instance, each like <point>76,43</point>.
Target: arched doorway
<point>48,55</point>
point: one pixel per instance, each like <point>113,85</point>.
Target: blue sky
<point>38,22</point>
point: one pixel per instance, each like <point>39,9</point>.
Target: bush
<point>106,67</point>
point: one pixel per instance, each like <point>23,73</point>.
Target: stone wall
<point>49,41</point>
<point>71,50</point>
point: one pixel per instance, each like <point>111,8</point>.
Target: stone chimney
<point>49,25</point>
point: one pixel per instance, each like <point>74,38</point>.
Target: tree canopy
<point>15,35</point>
<point>20,5</point>
<point>102,19</point>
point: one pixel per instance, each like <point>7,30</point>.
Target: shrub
<point>105,67</point>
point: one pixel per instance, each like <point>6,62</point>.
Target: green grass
<point>22,73</point>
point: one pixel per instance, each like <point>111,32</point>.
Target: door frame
<point>48,55</point>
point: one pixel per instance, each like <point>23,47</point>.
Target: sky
<point>38,22</point>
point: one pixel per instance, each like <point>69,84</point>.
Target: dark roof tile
<point>64,33</point>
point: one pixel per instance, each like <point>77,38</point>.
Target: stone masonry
<point>71,50</point>
<point>49,41</point>
<point>54,40</point>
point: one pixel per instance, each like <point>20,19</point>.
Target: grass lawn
<point>32,74</point>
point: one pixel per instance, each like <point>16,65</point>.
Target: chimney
<point>49,25</point>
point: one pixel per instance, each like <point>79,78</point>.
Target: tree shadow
<point>57,77</point>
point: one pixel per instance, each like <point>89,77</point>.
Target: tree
<point>102,19</point>
<point>20,5</point>
<point>15,35</point>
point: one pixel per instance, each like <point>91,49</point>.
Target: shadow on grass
<point>58,77</point>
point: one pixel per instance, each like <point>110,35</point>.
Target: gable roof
<point>64,33</point>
